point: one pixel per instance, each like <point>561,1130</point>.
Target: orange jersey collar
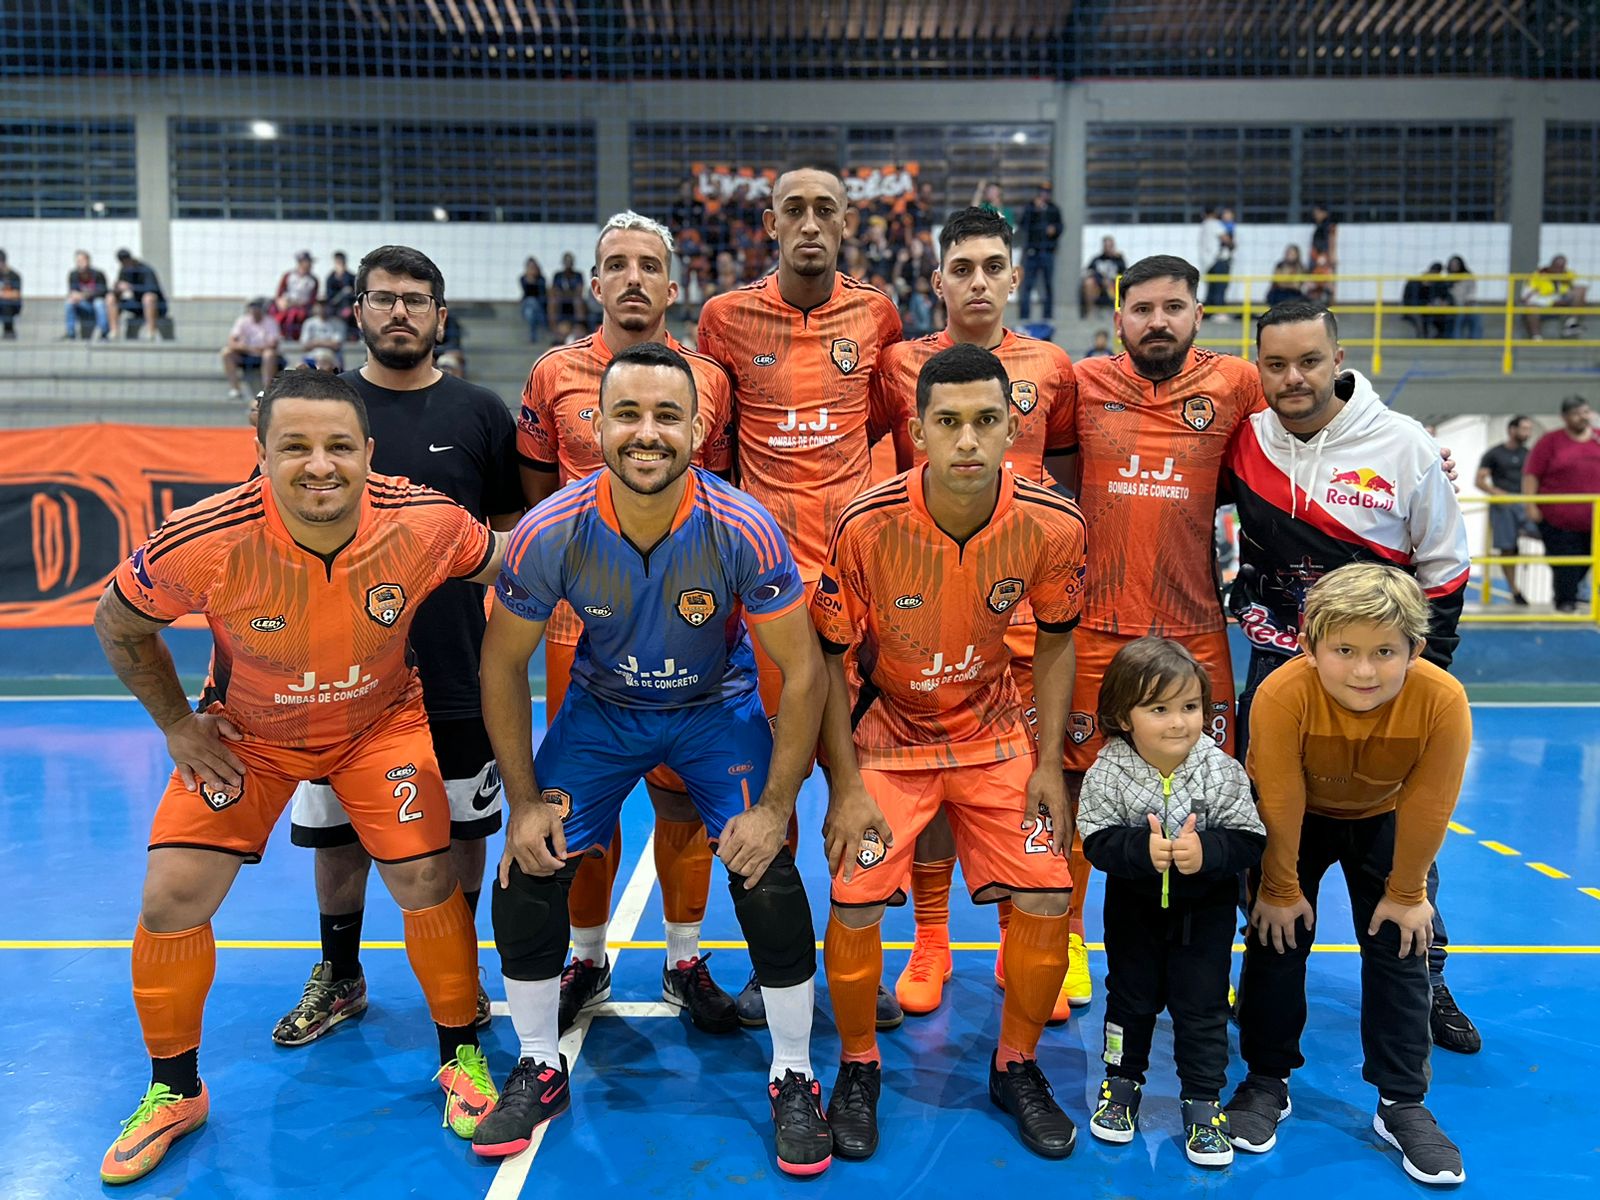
<point>1124,363</point>
<point>608,508</point>
<point>919,499</point>
<point>776,296</point>
<point>274,519</point>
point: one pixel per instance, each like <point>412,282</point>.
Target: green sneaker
<point>469,1092</point>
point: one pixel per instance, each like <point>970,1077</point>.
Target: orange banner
<point>76,500</point>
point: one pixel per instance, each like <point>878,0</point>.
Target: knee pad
<point>531,926</point>
<point>776,918</point>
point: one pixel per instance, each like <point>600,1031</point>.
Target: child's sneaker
<point>1427,1155</point>
<point>1116,1117</point>
<point>1258,1105</point>
<point>1205,1134</point>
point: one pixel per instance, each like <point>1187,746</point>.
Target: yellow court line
<point>1592,892</point>
<point>1547,869</point>
<point>1499,848</point>
<point>1456,828</point>
<point>975,947</point>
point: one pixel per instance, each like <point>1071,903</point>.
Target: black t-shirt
<point>461,440</point>
<point>1505,466</point>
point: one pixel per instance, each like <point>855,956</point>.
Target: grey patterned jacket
<point>1120,788</point>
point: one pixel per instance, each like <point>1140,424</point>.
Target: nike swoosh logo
<point>342,928</point>
<point>471,1110</point>
<point>550,1094</point>
<point>436,449</point>
<point>485,797</point>
<point>141,1146</point>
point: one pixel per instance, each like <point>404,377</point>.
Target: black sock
<point>451,1036</point>
<point>341,944</point>
<point>180,1073</point>
<point>472,900</point>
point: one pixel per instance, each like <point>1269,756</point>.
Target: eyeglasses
<point>415,302</point>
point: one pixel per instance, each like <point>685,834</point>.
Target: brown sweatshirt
<point>1308,753</point>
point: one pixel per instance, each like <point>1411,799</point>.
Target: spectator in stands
<point>322,332</point>
<point>1500,474</point>
<point>452,362</point>
<point>1041,230</point>
<point>1463,293</point>
<point>323,359</point>
<point>10,298</point>
<point>1320,289</point>
<point>923,211</point>
<point>1325,236</point>
<point>990,195</point>
<point>919,309</point>
<point>1099,286</point>
<point>139,295</point>
<point>566,299</point>
<point>86,297</point>
<point>1101,347</point>
<point>1565,461</point>
<point>1284,286</point>
<point>1553,286</point>
<point>1216,259</point>
<point>339,292</point>
<point>1428,290</point>
<point>535,298</point>
<point>297,291</point>
<point>252,343</point>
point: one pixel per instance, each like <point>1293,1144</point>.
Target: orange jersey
<point>804,416</point>
<point>1044,393</point>
<point>559,399</point>
<point>1150,455</point>
<point>307,653</point>
<point>931,615</point>
<point>554,429</point>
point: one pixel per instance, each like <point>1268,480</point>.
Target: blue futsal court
<point>660,1109</point>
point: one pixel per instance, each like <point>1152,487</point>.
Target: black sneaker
<point>689,986</point>
<point>1452,1028</point>
<point>1205,1134</point>
<point>1255,1110</point>
<point>1023,1091</point>
<point>853,1109</point>
<point>583,986</point>
<point>751,1005</point>
<point>1427,1155</point>
<point>805,1143</point>
<point>890,1015</point>
<point>533,1094</point>
<point>1116,1116</point>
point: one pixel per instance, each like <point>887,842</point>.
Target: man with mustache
<point>666,566</point>
<point>557,446</point>
<point>458,439</point>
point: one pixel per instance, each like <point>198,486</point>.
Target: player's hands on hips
<point>1047,796</point>
<point>1274,923</point>
<point>1415,922</point>
<point>1188,855</point>
<point>534,840</point>
<point>851,812</point>
<point>751,840</point>
<point>1160,844</point>
<point>197,744</point>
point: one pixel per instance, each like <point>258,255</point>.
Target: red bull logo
<point>1371,489</point>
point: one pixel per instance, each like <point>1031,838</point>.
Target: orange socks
<point>1036,963</point>
<point>683,865</point>
<point>930,893</point>
<point>853,959</point>
<point>589,901</point>
<point>172,972</point>
<point>443,948</point>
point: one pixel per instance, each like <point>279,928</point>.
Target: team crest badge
<point>846,354</point>
<point>1199,412</point>
<point>1024,395</point>
<point>872,850</point>
<point>386,602</point>
<point>697,606</point>
<point>220,798</point>
<point>1080,727</point>
<point>562,801</point>
<point>1004,594</point>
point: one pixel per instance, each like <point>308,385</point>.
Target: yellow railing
<point>1507,313</point>
<point>1491,560</point>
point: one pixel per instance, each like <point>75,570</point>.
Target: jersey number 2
<point>1038,839</point>
<point>406,792</point>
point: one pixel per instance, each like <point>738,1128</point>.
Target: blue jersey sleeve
<point>530,575</point>
<point>765,575</point>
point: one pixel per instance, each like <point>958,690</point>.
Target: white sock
<point>536,1015</point>
<point>683,941</point>
<point>589,945</point>
<point>789,1012</point>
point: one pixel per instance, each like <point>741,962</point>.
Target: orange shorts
<point>557,675</point>
<point>1095,650</point>
<point>998,853</point>
<point>387,780</point>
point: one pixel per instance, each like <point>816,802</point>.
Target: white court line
<point>513,1172</point>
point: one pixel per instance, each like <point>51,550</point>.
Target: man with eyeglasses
<point>459,439</point>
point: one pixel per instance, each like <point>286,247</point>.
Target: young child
<point>1357,749</point>
<point>1168,816</point>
